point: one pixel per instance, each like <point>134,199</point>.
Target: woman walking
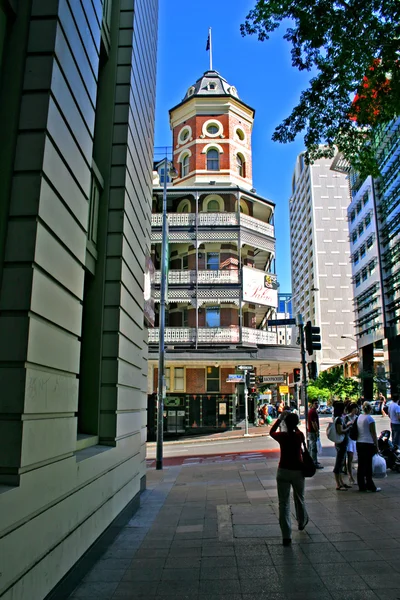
<point>341,447</point>
<point>352,412</point>
<point>290,474</point>
<point>367,446</point>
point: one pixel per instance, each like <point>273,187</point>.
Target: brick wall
<point>195,381</point>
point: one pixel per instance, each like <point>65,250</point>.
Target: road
<point>230,449</point>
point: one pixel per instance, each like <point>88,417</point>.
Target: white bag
<point>332,434</point>
<point>378,467</point>
<point>319,446</point>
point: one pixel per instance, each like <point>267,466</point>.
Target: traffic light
<point>251,379</point>
<point>312,370</point>
<point>296,375</point>
<point>313,338</point>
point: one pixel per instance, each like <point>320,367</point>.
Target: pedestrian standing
<point>290,474</point>
<point>394,414</point>
<point>313,433</point>
<point>341,447</point>
<point>352,412</point>
<point>367,446</point>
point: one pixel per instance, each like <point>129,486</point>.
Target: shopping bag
<point>319,446</point>
<point>378,466</point>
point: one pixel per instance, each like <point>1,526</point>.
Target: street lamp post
<point>163,292</point>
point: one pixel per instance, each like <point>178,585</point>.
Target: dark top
<point>290,443</point>
<point>312,417</point>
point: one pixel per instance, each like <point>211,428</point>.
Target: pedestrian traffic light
<point>313,338</point>
<point>312,370</point>
<point>296,375</point>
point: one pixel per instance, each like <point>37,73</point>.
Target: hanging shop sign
<point>271,379</point>
<point>259,287</point>
<point>283,389</point>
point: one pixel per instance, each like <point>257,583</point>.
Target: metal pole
<point>246,407</point>
<point>161,359</point>
<point>303,365</point>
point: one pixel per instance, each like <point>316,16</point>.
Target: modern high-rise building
<point>77,90</point>
<point>320,252</point>
<point>374,217</point>
<point>221,285</point>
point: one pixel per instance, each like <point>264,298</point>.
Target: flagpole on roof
<point>210,44</point>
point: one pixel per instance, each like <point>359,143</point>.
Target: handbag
<point>332,434</point>
<point>308,468</point>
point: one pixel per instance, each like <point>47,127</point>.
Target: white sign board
<point>259,287</point>
<point>273,379</point>
<point>235,378</point>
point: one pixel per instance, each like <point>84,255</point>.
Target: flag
<point>208,43</point>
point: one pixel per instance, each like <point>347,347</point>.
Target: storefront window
<point>179,379</point>
<point>212,379</point>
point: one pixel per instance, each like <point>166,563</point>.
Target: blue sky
<point>263,76</point>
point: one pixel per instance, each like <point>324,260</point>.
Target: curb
<point>196,440</point>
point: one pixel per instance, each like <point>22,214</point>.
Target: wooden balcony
<point>182,229</point>
<point>203,277</point>
<point>213,335</point>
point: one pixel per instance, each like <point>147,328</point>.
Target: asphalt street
<point>230,448</point>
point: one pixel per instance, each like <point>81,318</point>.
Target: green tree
<point>353,47</point>
<point>316,393</point>
<point>346,387</point>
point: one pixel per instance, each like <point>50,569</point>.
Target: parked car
<point>376,407</point>
<point>324,409</point>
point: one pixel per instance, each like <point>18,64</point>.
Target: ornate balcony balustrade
<point>208,276</point>
<point>215,220</point>
<point>213,335</point>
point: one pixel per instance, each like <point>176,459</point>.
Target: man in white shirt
<point>394,414</point>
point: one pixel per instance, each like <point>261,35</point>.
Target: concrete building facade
<point>320,254</point>
<point>77,89</point>
<point>221,286</point>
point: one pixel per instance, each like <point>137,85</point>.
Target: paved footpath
<point>210,532</point>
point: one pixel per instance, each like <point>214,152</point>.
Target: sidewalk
<point>254,432</point>
<point>210,532</point>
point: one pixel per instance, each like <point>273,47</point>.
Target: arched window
<point>185,165</point>
<point>213,206</point>
<point>213,160</point>
<point>240,165</point>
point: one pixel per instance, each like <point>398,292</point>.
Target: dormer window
<point>211,86</point>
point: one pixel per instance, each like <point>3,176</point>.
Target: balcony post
<point>196,244</point>
<point>240,271</point>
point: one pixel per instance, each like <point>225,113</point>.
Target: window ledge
<point>85,440</point>
<point>85,453</point>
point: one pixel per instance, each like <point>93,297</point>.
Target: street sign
<point>283,389</point>
<point>235,378</point>
<point>281,322</point>
<point>245,367</point>
<point>272,379</point>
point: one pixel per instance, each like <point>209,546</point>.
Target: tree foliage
<point>331,384</point>
<point>353,47</point>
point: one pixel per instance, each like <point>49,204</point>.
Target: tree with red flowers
<point>354,48</point>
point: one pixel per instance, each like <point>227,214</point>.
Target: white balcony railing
<point>209,276</point>
<point>214,219</point>
<point>213,335</point>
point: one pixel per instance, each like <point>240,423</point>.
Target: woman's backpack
<point>332,434</point>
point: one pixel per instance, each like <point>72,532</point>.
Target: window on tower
<point>212,129</point>
<point>240,165</point>
<point>213,160</point>
<point>185,165</point>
